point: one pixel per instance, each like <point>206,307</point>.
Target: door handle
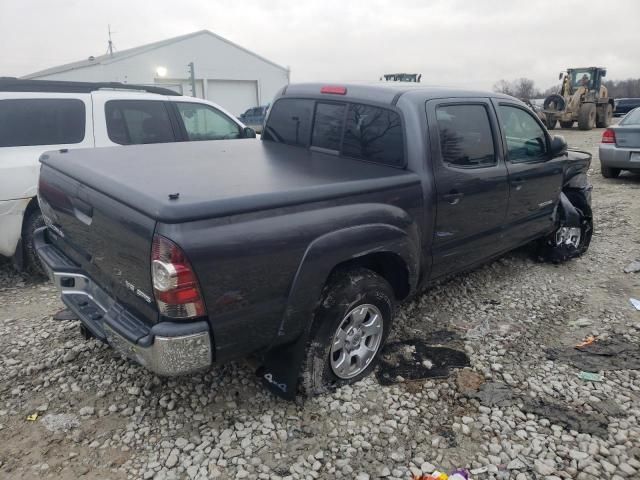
<point>453,197</point>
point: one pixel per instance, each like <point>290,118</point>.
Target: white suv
<point>36,116</point>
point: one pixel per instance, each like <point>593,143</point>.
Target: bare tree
<point>502,86</point>
<point>524,88</point>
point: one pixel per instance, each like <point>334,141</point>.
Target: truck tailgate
<point>110,241</point>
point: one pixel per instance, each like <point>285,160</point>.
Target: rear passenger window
<point>290,122</point>
<point>41,121</point>
<point>134,122</point>
<point>374,134</point>
<point>466,139</point>
<point>327,126</point>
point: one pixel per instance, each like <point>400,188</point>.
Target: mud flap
<point>280,371</point>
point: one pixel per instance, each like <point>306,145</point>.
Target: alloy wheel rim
<point>356,341</point>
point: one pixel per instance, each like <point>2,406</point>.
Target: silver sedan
<point>620,146</point>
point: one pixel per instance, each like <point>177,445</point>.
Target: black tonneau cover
<point>219,178</point>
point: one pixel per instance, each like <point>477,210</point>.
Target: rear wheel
<point>608,172</point>
<point>566,124</point>
<point>587,116</point>
<point>350,326</point>
<point>607,115</point>
<point>31,261</point>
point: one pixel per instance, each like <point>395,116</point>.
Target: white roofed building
<point>225,73</point>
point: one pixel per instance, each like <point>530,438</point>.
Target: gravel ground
<point>101,417</point>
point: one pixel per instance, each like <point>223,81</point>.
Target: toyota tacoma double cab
<point>296,249</point>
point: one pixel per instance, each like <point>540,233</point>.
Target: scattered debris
<point>33,417</point>
<point>60,422</point>
<point>494,394</point>
<point>587,341</point>
<point>590,377</point>
<point>598,355</point>
<point>633,267</point>
<point>414,360</point>
<point>635,302</point>
<point>594,423</point>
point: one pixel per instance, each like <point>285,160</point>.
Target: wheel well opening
<point>388,265</point>
<point>31,207</point>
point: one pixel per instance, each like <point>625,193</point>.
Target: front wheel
<point>350,327</point>
<point>587,116</point>
<point>568,241</point>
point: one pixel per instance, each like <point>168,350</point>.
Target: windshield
<point>631,118</point>
<point>581,78</point>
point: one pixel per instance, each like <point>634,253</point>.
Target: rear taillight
<point>174,282</point>
<point>609,136</point>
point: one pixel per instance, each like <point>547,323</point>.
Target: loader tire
<point>587,116</point>
<point>605,119</point>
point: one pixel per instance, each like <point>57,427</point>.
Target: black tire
<point>556,101</point>
<point>32,264</point>
<point>587,116</point>
<point>344,292</point>
<point>605,119</point>
<point>549,251</point>
<point>609,172</point>
<point>567,124</point>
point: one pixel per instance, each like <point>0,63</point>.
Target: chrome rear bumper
<point>165,348</point>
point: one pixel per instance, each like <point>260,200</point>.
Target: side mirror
<point>558,146</point>
<point>604,72</point>
<point>560,76</point>
<point>248,132</point>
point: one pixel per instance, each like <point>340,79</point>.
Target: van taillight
<point>609,136</point>
<point>175,285</point>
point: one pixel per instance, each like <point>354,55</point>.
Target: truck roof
<point>384,92</point>
<point>221,177</point>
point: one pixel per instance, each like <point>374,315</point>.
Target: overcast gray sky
<point>451,42</point>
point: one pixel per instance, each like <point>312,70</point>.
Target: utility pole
<point>192,77</point>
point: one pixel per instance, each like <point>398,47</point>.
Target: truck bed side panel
<point>248,278</point>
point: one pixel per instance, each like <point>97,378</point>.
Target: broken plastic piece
<point>587,341</point>
<point>33,417</point>
<point>635,302</point>
<point>590,377</point>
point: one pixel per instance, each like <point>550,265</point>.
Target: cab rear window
<point>350,129</point>
<point>41,121</point>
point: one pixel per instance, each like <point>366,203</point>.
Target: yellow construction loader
<point>582,99</point>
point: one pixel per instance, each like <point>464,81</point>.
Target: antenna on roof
<point>110,44</point>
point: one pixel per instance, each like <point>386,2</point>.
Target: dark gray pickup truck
<point>296,248</point>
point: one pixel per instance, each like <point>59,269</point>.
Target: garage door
<point>234,95</point>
